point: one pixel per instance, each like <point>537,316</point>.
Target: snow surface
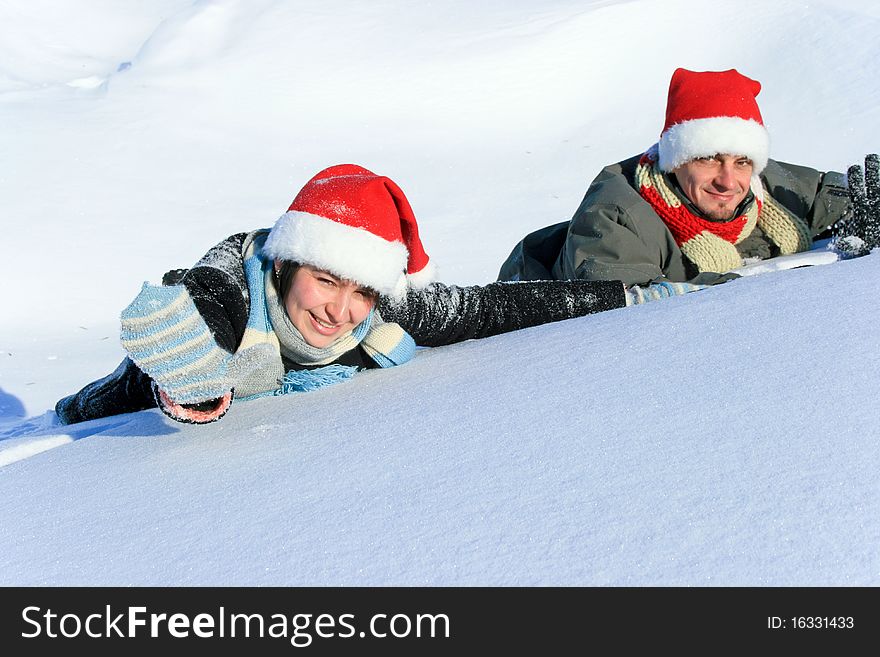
<point>728,437</point>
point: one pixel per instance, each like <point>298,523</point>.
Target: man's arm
<point>820,198</point>
<point>603,244</point>
<point>616,235</point>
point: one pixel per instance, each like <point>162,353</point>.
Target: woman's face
<point>323,307</point>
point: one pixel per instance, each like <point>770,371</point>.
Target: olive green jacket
<point>616,235</point>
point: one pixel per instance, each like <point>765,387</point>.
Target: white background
<point>727,437</point>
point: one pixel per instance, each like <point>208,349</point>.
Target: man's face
<point>717,184</point>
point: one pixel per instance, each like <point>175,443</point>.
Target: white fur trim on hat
<point>342,250</point>
<point>689,140</point>
<point>416,280</point>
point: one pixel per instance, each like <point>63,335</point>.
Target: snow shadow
<point>11,407</point>
<point>26,438</point>
<point>127,425</point>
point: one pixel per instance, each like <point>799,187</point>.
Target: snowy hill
<point>724,438</point>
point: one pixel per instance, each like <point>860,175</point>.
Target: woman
<point>339,284</point>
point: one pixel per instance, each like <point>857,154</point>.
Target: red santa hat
<point>711,112</point>
<point>356,225</point>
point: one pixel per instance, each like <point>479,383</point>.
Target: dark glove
<point>861,232</point>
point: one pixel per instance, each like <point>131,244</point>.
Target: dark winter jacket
<point>435,316</point>
<point>616,235</point>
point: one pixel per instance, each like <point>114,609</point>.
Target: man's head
<point>714,140</point>
<point>717,184</point>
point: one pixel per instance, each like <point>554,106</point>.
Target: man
<point>699,204</point>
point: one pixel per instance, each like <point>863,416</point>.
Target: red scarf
<point>710,245</point>
<point>682,223</point>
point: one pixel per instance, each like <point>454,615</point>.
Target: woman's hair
<point>284,279</point>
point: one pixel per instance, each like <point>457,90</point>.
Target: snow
<point>727,437</point>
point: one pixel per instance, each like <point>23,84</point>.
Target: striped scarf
<point>711,245</point>
<point>271,332</point>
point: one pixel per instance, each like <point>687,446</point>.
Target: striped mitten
<point>657,291</point>
<point>166,337</point>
